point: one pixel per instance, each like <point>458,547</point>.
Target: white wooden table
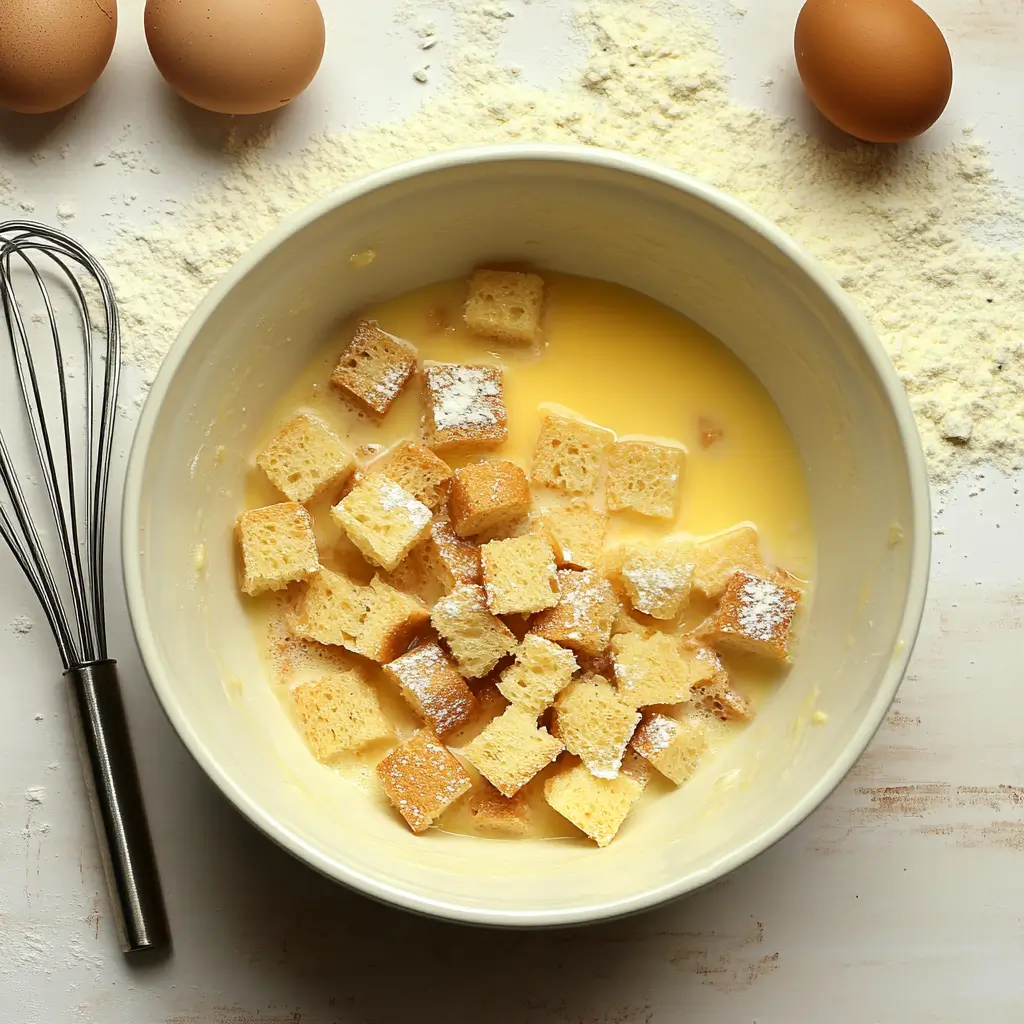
<point>899,900</point>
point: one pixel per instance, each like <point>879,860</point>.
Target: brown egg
<point>52,51</point>
<point>236,56</point>
<point>878,69</point>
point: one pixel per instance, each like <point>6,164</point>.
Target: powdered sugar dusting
<point>464,397</point>
<point>764,609</point>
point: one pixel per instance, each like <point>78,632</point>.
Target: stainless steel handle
<point>116,799</point>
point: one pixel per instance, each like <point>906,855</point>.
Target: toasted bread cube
<point>595,724</point>
<point>477,638</point>
<point>569,454</point>
<point>718,698</point>
<point>374,368</point>
<point>655,668</point>
<point>465,406</point>
<point>490,810</point>
<point>432,685</point>
<point>519,575</point>
<point>331,610</point>
<point>597,807</point>
<point>644,477</point>
<point>488,496</point>
<point>418,471</point>
<point>278,547</point>
<point>755,616</point>
<point>305,458</point>
<point>415,575</point>
<point>453,559</point>
<point>511,750</point>
<point>657,578</point>
<point>672,745</point>
<point>339,712</point>
<point>504,305</point>
<point>542,669</point>
<point>382,520</point>
<point>583,618</point>
<point>393,620</point>
<point>577,535</point>
<point>422,779</point>
<point>716,558</point>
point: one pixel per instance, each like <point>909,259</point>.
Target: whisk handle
<point>116,799</point>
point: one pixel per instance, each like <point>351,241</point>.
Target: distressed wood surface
<point>898,900</point>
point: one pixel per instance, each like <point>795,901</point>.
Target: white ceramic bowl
<point>586,212</point>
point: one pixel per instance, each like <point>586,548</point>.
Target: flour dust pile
<point>904,234</point>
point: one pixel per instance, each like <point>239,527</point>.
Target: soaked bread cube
<point>584,615</point>
<point>419,472</point>
<point>331,610</point>
<point>382,520</point>
<point>569,454</point>
<point>422,779</point>
<point>755,616</point>
<point>374,368</point>
<point>504,305</point>
<point>278,547</point>
<point>339,712</point>
<point>432,685</point>
<point>305,458</point>
<point>453,559</point>
<point>519,575</point>
<point>597,807</point>
<point>490,810</point>
<point>393,620</point>
<point>541,670</point>
<point>511,750</point>
<point>717,697</point>
<point>716,558</point>
<point>488,496</point>
<point>655,668</point>
<point>644,477</point>
<point>577,535</point>
<point>477,638</point>
<point>657,578</point>
<point>672,745</point>
<point>465,406</point>
<point>593,723</point>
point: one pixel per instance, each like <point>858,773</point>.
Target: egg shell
<point>52,51</point>
<point>878,69</point>
<point>236,56</point>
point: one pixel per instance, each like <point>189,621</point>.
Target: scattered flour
<point>928,245</point>
<point>21,625</point>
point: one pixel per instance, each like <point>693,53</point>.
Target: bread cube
<point>509,815</point>
<point>418,471</point>
<point>488,496</point>
<point>717,697</point>
<point>339,712</point>
<point>519,575</point>
<point>432,685</point>
<point>393,620</point>
<point>716,558</point>
<point>577,535</point>
<point>583,617</point>
<point>754,616</point>
<point>569,454</point>
<point>644,477</point>
<point>278,547</point>
<point>594,724</point>
<point>672,745</point>
<point>504,305</point>
<point>465,406</point>
<point>305,458</point>
<point>422,779</point>
<point>597,807</point>
<point>511,750</point>
<point>331,610</point>
<point>657,578</point>
<point>374,368</point>
<point>599,664</point>
<point>382,520</point>
<point>453,559</point>
<point>477,638</point>
<point>541,670</point>
<point>653,669</point>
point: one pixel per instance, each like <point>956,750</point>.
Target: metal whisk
<point>69,393</point>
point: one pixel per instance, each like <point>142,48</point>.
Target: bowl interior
<point>594,215</point>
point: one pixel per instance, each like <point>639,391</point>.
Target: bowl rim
<point>593,911</point>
